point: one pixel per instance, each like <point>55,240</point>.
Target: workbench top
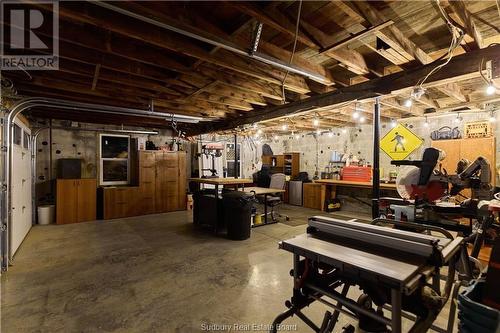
<point>222,181</point>
<point>391,186</point>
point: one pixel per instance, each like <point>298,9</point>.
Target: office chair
<point>277,182</point>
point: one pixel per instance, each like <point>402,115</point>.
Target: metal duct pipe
<point>219,43</point>
<point>104,130</point>
<point>6,152</point>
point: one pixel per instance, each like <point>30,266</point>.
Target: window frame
<point>102,159</point>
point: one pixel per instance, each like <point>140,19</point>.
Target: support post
<point>376,159</point>
<point>236,156</point>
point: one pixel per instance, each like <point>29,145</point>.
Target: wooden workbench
<point>222,181</point>
<point>329,188</point>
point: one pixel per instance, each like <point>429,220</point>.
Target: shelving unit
<point>287,163</point>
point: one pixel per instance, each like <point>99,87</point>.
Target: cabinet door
<point>172,184</point>
<point>86,200</point>
<point>182,181</point>
<point>67,202</point>
<point>161,178</point>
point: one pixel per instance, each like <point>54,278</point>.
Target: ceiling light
<point>315,121</point>
<point>344,130</point>
<point>393,123</point>
<point>355,115</point>
<point>284,127</point>
<point>408,103</point>
<point>259,131</point>
<point>490,89</point>
<point>362,119</point>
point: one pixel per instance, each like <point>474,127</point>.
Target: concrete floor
<point>152,273</point>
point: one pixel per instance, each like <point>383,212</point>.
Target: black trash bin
<point>237,214</point>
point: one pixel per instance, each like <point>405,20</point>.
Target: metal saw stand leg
<point>396,311</point>
<point>330,320</point>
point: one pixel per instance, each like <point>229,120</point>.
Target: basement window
<point>114,159</point>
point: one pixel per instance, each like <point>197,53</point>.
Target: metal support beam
<point>376,158</point>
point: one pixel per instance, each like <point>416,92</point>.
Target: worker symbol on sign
<point>400,140</point>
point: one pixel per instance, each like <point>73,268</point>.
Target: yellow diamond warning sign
<point>400,142</point>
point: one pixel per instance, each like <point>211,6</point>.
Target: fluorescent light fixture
<point>183,118</point>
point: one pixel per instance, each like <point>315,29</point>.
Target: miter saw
<point>429,195</point>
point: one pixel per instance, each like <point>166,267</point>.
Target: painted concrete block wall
<point>79,144</point>
<point>316,149</point>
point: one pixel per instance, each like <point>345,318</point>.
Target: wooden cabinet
<point>76,200</point>
<point>121,202</point>
<point>288,163</point>
<point>170,185</point>
<point>312,195</point>
<point>469,149</point>
<point>162,187</point>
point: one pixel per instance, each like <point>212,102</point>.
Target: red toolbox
<point>357,174</point>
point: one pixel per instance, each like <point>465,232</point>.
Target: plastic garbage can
<point>238,214</point>
<point>46,214</point>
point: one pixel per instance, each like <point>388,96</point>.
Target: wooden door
<point>172,181</point>
<point>67,201</point>
<point>182,181</point>
<point>161,178</point>
<point>86,199</point>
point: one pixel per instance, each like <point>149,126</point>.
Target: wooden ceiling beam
<point>464,18</point>
<point>160,38</point>
<point>391,35</point>
<point>203,27</point>
<point>453,90</point>
<point>274,19</point>
<point>460,66</point>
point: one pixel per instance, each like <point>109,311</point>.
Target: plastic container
<point>46,214</point>
<point>238,214</point>
<point>473,315</point>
